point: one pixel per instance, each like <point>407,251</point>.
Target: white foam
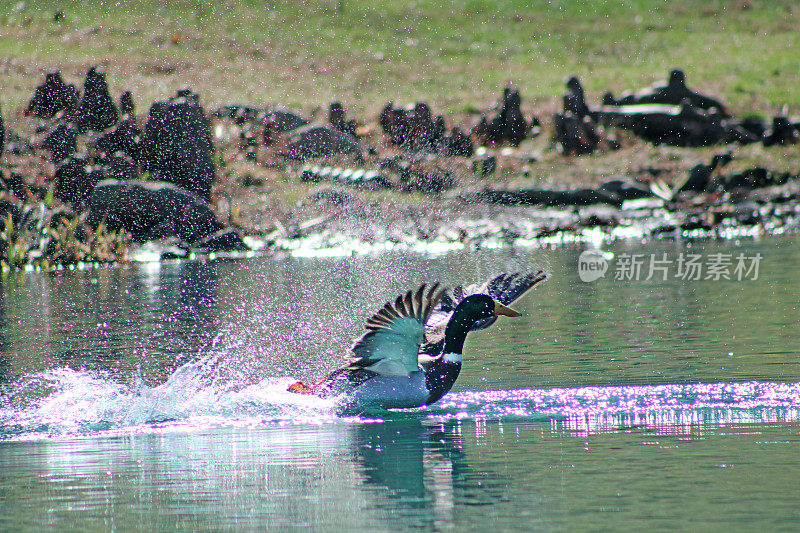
<point>66,401</point>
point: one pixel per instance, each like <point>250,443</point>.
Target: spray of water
<point>67,401</point>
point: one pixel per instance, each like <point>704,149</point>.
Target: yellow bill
<point>500,309</point>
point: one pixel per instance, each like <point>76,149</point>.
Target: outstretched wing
<point>505,288</point>
<point>395,334</point>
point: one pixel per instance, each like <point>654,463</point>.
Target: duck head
<point>470,310</point>
<point>478,306</point>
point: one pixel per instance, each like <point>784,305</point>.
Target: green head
<point>467,312</point>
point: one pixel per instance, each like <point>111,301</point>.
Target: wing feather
<point>395,333</point>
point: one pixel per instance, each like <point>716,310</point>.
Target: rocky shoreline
<point>86,179</point>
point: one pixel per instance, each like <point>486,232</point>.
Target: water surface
<point>153,397</point>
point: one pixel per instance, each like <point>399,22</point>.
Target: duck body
<point>375,391</point>
<point>411,354</point>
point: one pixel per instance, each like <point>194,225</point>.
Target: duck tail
<point>300,388</point>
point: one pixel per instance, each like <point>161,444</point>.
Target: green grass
<point>455,55</point>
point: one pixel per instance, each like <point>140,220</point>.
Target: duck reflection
<point>394,475</point>
<point>422,464</point>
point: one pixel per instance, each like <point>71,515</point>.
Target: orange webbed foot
<point>300,388</point>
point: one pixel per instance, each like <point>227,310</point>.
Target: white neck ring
<point>452,358</point>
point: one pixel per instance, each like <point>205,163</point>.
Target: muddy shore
<point>385,195</point>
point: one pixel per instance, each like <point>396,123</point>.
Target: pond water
<point>153,396</point>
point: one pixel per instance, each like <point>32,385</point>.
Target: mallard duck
<point>411,353</point>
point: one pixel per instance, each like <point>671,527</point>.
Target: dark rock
<point>734,132</point>
<point>126,106</point>
<point>277,122</point>
<point>515,127</point>
<point>226,240</point>
<point>318,141</point>
<point>456,144</point>
<point>754,178</point>
<point>681,125</point>
<point>483,135</point>
<point>432,181</point>
<point>625,190</point>
<point>151,210</point>
<point>546,197</point>
<point>96,111</point>
<point>702,177</point>
<point>655,123</point>
<point>177,147</point>
<point>421,135</point>
<point>439,131</point>
<point>17,186</point>
<point>240,113</point>
<point>507,125</point>
<point>754,125</point>
<point>187,93</point>
<point>94,175</point>
<point>575,100</point>
<point>74,181</point>
<point>415,130</point>
<point>782,132</point>
<point>62,142</point>
<point>575,135</point>
<point>337,120</point>
<point>271,133</point>
<point>331,197</point>
<point>280,121</point>
<point>394,123</point>
<point>52,97</point>
<point>121,167</point>
<point>673,92</point>
<point>126,138</point>
<point>286,120</point>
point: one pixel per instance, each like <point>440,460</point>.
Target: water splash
<point>71,402</point>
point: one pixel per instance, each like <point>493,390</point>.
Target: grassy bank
<point>457,55</point>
